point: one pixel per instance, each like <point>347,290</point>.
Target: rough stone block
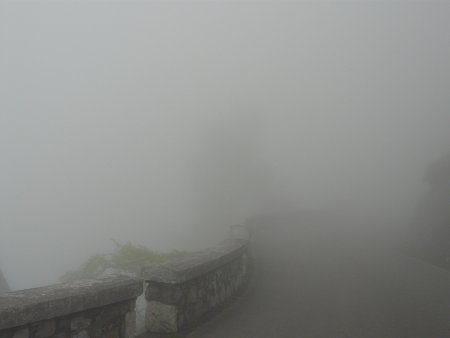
<point>46,329</point>
<point>62,335</point>
<point>6,333</point>
<point>130,324</point>
<point>81,334</point>
<point>114,333</point>
<point>22,333</point>
<point>161,317</point>
<point>79,323</point>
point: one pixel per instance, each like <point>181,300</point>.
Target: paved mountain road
<point>317,283</point>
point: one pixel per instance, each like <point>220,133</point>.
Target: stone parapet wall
<point>182,291</point>
<point>84,309</point>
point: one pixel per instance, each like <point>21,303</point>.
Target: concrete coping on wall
<point>32,305</point>
<point>193,265</point>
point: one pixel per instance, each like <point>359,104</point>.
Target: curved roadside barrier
<point>88,308</point>
<point>184,290</point>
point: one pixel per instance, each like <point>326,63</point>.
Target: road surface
<point>316,281</point>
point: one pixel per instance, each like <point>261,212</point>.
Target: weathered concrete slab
<point>37,304</point>
<point>181,292</point>
<point>193,265</point>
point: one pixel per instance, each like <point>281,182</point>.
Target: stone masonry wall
<point>182,292</point>
<point>90,309</point>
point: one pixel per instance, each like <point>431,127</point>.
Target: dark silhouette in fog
<point>230,180</point>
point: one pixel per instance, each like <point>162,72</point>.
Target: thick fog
<point>163,123</point>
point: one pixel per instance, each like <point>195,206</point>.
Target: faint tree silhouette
<point>3,284</point>
<point>230,180</point>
